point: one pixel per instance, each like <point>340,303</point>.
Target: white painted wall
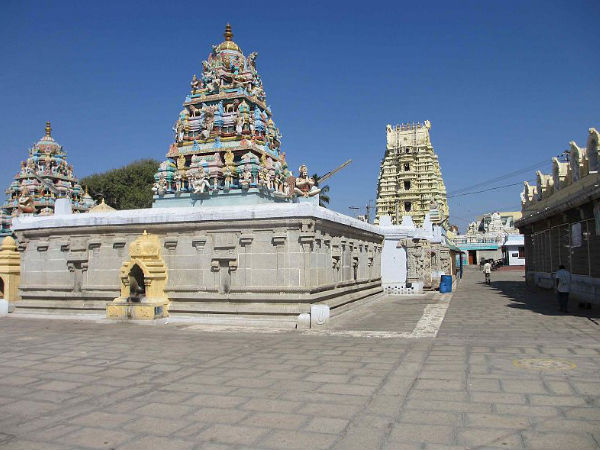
<point>514,260</point>
<point>393,263</point>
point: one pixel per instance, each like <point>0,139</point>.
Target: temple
<point>410,179</point>
<point>227,149</point>
<point>232,236</point>
<point>43,178</point>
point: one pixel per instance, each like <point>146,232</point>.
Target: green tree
<point>128,187</point>
<point>323,195</point>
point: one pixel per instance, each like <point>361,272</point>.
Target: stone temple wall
<point>272,260</point>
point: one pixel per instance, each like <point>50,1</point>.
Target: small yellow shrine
<point>143,280</point>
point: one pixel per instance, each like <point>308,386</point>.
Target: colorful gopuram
<point>44,177</point>
<point>227,149</point>
<point>410,179</point>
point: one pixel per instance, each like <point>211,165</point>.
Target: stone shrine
<point>410,179</point>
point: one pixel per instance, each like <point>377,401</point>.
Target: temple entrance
<point>472,257</point>
<point>137,288</point>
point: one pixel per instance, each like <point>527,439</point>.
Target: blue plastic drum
<point>446,284</point>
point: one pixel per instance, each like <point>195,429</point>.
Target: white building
<point>514,250</point>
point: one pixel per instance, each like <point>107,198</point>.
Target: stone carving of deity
<point>160,186</point>
<point>200,183</point>
<point>229,170</point>
<point>195,84</point>
<point>239,125</point>
<point>246,177</point>
<point>179,177</point>
<point>305,185</point>
<point>208,120</point>
<point>25,202</point>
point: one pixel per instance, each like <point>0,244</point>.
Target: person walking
<point>487,271</point>
<point>563,287</point>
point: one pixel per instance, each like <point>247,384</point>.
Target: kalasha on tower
<point>227,149</point>
<point>42,179</point>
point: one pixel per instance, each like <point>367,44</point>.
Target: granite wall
<point>271,260</point>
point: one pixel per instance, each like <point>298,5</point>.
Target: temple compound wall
<point>561,222</point>
<point>260,261</point>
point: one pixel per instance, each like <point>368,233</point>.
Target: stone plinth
<point>123,310</point>
<point>270,261</point>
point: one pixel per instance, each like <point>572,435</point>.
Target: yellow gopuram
<point>143,280</point>
<point>410,179</point>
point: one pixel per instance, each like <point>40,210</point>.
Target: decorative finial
<point>48,129</point>
<point>228,34</point>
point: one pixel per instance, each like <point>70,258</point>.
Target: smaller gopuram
<point>410,179</point>
<point>44,177</point>
<point>227,148</point>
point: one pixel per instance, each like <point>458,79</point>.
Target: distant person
<point>563,287</point>
<point>487,271</point>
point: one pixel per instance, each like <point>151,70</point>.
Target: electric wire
<point>485,190</point>
<point>543,163</point>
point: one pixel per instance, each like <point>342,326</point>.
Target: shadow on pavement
<point>539,300</point>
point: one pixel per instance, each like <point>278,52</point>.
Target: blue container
<point>446,284</point>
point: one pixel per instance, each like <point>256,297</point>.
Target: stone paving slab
<point>505,370</point>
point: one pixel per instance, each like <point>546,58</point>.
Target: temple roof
<point>47,144</point>
<point>228,43</point>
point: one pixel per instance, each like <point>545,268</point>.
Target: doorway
<point>137,288</point>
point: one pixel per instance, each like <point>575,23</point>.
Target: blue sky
<point>505,84</point>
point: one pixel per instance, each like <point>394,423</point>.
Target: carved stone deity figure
<point>200,182</point>
<point>160,186</point>
<point>244,113</point>
<point>246,177</point>
<point>239,125</point>
<point>251,61</point>
<point>229,170</point>
<point>26,201</point>
<point>305,185</point>
<point>179,180</point>
<point>179,131</point>
<point>208,122</point>
<point>195,84</point>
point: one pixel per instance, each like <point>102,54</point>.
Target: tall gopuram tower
<point>227,149</point>
<point>44,177</point>
<point>410,180</point>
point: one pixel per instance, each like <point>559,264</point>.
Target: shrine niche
<point>143,280</point>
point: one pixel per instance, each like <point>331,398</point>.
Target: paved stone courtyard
<point>504,371</point>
